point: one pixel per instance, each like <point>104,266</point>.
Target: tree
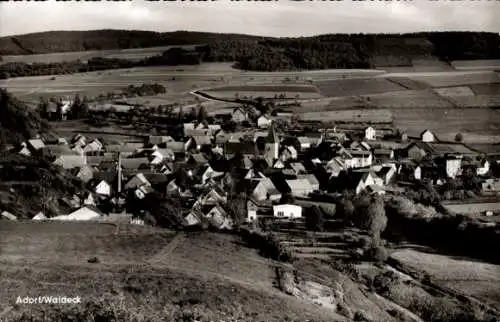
<point>459,137</point>
<point>43,107</point>
<point>181,114</point>
<point>202,114</point>
<point>315,220</point>
<point>345,208</point>
<point>370,215</point>
<point>237,208</point>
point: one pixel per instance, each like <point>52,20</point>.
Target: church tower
<point>272,147</point>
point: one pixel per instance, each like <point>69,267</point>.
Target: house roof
<point>133,163</point>
<point>202,139</point>
<point>297,167</point>
<point>383,151</point>
<point>158,139</point>
<point>309,177</point>
<point>304,140</point>
<point>199,158</point>
<point>71,161</point>
<point>299,184</point>
<point>36,144</point>
<point>84,213</point>
<point>125,148</point>
<point>176,147</point>
<point>240,147</point>
<point>59,149</point>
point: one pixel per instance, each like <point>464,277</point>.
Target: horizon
<point>266,19</point>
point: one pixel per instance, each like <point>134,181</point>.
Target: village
<point>273,167</point>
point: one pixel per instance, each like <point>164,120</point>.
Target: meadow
<point>350,116</point>
<point>131,54</point>
<point>143,274</point>
<point>480,280</point>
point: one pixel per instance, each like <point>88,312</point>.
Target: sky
<point>277,18</point>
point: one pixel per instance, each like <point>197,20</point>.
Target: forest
<point>255,53</point>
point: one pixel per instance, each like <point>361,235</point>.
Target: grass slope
<point>146,274</point>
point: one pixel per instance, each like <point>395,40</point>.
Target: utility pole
<point>119,169</point>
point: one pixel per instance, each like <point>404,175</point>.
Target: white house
<point>417,173</point>
<point>370,133</point>
<point>103,188</point>
<point>287,211</point>
<point>39,216</point>
<point>427,136</point>
<point>84,213</point>
<point>484,168</point>
<point>453,167</point>
<point>305,142</point>
<point>358,159</point>
<point>264,122</point>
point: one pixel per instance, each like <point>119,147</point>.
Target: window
<point>281,213</point>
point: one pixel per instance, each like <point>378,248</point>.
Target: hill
<point>271,54</point>
<point>29,185</point>
<point>18,122</point>
<point>142,275</point>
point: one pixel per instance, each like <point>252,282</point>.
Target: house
<point>483,168</point>
<point>288,153</point>
<point>356,181</point>
<point>279,164</point>
<point>95,145</point>
<point>264,190</point>
<point>7,215</point>
<point>71,161</point>
<point>427,136</point>
<point>193,218</point>
<point>417,173</point>
<point>298,168</point>
<point>491,186</point>
<point>313,181</point>
<point>239,115</point>
<point>386,173</point>
<point>90,200</point>
<point>304,142</point>
<point>335,166</point>
<point>201,141</point>
<point>300,187</point>
<point>136,181</point>
<point>177,147</point>
<point>161,155</point>
<point>103,188</point>
<point>39,216</point>
<point>264,121</point>
<point>158,139</point>
<point>213,197</point>
<point>358,159</point>
<point>133,163</point>
<point>84,213</point>
<point>383,154</point>
<point>35,145</point>
<point>218,218</point>
<point>370,133</point>
<point>84,173</point>
<point>205,173</point>
<point>197,159</point>
<point>254,175</point>
<point>360,145</point>
<point>24,150</point>
<point>142,191</point>
<point>453,166</point>
<point>287,211</point>
<point>252,209</point>
<point>243,148</point>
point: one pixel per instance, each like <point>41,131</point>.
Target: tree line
<point>272,54</point>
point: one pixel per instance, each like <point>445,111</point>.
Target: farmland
<point>131,54</point>
<point>472,278</point>
<point>476,64</point>
<point>476,125</point>
<point>351,87</point>
<point>375,116</point>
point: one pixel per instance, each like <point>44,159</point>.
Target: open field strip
<point>359,86</point>
<point>449,79</point>
<point>479,280</point>
<point>354,116</point>
<point>476,64</point>
<point>455,91</point>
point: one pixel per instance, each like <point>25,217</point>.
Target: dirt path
<point>162,256</point>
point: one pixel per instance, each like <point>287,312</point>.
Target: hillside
<point>272,54</point>
<point>31,184</point>
<point>18,122</point>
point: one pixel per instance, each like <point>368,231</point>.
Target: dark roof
<point>133,163</point>
<point>240,147</point>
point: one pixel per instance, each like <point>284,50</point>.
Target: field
<point>476,125</point>
<point>449,79</point>
<point>486,89</point>
<point>152,273</point>
<point>353,87</point>
<point>455,91</point>
<point>350,116</point>
<point>476,64</point>
<point>476,279</point>
<point>408,100</point>
<point>265,94</point>
<point>473,208</point>
<point>131,54</point>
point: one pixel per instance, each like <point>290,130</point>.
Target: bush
<point>378,254</point>
<point>93,260</point>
